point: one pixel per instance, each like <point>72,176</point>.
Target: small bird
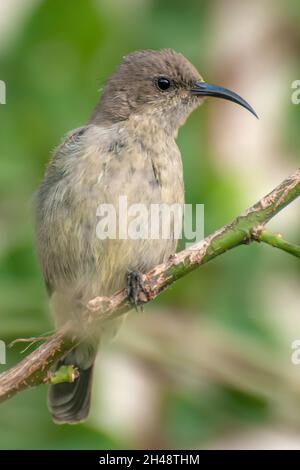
<point>126,148</point>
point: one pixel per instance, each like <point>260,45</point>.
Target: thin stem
<point>276,240</point>
<point>63,374</point>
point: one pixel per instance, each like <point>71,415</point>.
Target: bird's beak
<point>205,89</point>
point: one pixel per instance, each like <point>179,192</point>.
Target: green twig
<point>63,374</point>
<point>276,240</point>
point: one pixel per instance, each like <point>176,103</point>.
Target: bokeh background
<point>208,365</point>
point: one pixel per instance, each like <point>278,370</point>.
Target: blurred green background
<point>209,363</point>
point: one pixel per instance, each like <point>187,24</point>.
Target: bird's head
<point>162,85</point>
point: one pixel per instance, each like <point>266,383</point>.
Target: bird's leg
<point>135,289</point>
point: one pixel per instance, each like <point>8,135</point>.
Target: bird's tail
<point>70,402</point>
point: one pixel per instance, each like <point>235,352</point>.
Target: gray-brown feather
<point>94,166</point>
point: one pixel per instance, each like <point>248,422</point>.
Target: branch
<point>34,369</point>
<point>63,374</point>
<point>276,240</point>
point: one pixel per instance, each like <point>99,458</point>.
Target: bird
<point>127,147</point>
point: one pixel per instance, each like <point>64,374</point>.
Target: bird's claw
<point>136,291</point>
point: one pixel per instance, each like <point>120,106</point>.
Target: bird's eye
<point>163,83</point>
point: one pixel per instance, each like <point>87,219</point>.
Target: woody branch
<point>247,227</point>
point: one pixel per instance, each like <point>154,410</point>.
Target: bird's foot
<point>136,291</point>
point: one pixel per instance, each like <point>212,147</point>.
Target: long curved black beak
<point>205,89</point>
